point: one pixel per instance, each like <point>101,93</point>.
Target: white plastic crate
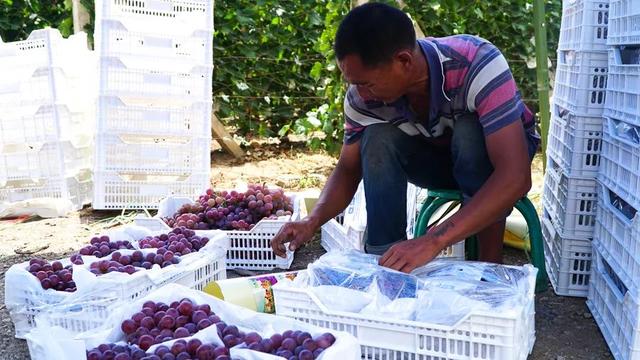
<point>160,14</point>
<point>36,161</point>
<point>117,117</point>
<point>46,343</point>
<point>44,123</point>
<point>624,22</point>
<point>623,85</point>
<point>575,143</point>
<point>584,25</point>
<point>76,190</point>
<point>249,249</point>
<point>151,154</point>
<point>620,160</point>
<point>29,304</point>
<point>91,312</point>
<point>127,190</point>
<point>570,202</point>
<point>167,82</point>
<point>122,38</point>
<point>615,310</point>
<point>481,335</point>
<point>46,86</point>
<point>617,234</point>
<point>43,48</point>
<point>568,261</point>
<point>581,80</point>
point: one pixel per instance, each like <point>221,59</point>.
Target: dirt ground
<point>564,326</point>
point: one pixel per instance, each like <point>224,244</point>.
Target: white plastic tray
<point>575,143</point>
<point>481,335</point>
<point>624,22</point>
<point>568,261</point>
<point>570,202</point>
<point>584,25</point>
<point>132,190</point>
<point>615,310</point>
<point>581,81</point>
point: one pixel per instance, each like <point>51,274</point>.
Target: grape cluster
<point>100,247</point>
<point>292,345</point>
<point>129,263</point>
<point>159,322</point>
<point>192,349</point>
<point>53,276</point>
<point>116,352</point>
<point>180,241</point>
<point>232,210</point>
<point>179,350</point>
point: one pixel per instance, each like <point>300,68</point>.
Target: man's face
<point>386,82</point>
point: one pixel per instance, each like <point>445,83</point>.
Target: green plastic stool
<point>438,198</point>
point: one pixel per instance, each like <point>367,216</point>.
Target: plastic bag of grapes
<point>359,272</point>
<point>443,291</point>
<point>200,326</point>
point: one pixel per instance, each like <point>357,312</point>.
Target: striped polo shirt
<point>467,74</point>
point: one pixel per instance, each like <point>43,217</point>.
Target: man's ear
<point>405,58</point>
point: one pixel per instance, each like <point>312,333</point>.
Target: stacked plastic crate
<point>46,122</point>
<point>613,298</point>
<point>575,141</point>
<point>154,105</point>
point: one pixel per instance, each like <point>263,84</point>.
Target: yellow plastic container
<point>516,234</point>
<point>253,293</point>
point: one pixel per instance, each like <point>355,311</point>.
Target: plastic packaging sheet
<point>56,343</point>
<point>627,131</point>
<point>43,207</point>
<point>25,297</point>
<point>443,291</point>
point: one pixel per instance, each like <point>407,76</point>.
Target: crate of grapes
<point>383,333</point>
<point>192,325</point>
<point>106,272</point>
<point>251,219</point>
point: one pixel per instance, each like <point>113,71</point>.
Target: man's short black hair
<point>375,32</point>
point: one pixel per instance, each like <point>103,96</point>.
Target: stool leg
<point>428,209</point>
<point>527,209</point>
<point>420,222</point>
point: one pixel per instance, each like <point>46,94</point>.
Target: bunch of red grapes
<point>159,322</point>
<point>180,241</point>
<point>129,263</point>
<point>116,352</point>
<point>232,210</point>
<point>292,345</point>
<point>100,246</point>
<point>53,275</point>
<point>179,350</point>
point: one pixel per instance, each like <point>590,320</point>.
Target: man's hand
<point>407,255</point>
<point>296,233</point>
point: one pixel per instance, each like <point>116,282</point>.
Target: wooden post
<point>222,136</point>
<point>80,16</point>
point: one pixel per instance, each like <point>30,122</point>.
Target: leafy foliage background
<point>274,69</point>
